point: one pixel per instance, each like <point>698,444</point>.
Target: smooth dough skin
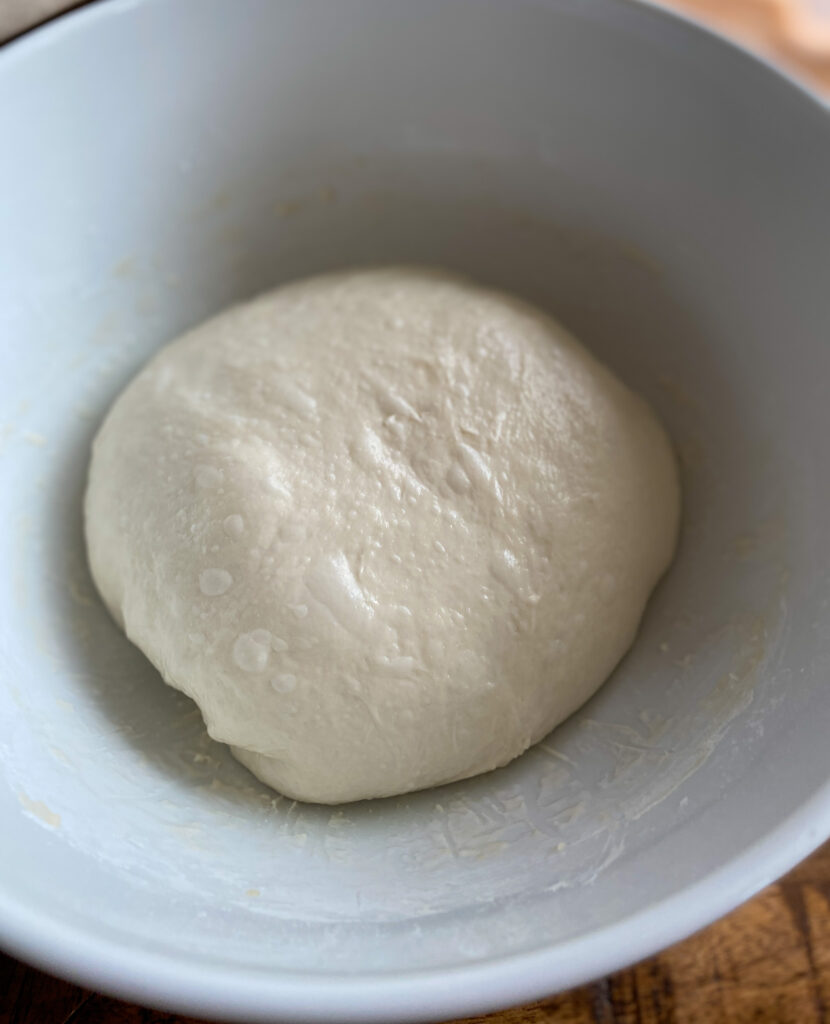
<point>387,528</point>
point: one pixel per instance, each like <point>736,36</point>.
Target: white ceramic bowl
<point>669,198</point>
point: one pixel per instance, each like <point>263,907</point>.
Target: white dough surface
<point>386,527</point>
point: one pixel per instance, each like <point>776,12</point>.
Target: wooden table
<point>769,961</point>
<point>766,963</point>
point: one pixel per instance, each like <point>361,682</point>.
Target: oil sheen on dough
<point>387,528</point>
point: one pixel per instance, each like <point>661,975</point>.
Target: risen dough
<point>386,528</point>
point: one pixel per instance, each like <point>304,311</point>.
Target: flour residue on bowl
<point>39,810</point>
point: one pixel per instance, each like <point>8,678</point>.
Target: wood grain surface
<point>766,963</point>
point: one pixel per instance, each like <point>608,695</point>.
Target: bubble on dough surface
<point>215,582</point>
<point>208,477</point>
<point>234,525</point>
<point>251,650</point>
<point>284,682</point>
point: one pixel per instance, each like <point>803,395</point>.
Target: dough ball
<point>387,528</point>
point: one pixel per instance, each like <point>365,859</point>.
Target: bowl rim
<point>189,985</point>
